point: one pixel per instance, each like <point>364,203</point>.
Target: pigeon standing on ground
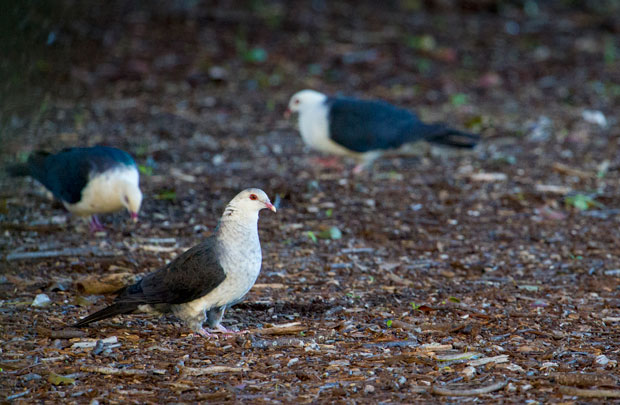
<point>88,181</point>
<point>364,129</point>
<point>205,280</point>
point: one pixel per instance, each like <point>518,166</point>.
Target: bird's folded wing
<point>362,126</point>
<point>64,174</point>
<point>191,275</point>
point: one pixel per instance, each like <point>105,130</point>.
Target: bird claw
<point>227,331</point>
<point>95,224</point>
<point>202,332</point>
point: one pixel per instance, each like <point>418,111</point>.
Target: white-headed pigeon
<point>364,129</point>
<point>205,280</point>
<point>88,181</point>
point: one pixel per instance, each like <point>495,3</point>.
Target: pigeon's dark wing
<point>65,174</point>
<point>362,126</point>
<point>191,275</point>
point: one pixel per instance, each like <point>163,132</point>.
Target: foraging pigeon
<point>205,280</point>
<point>363,129</point>
<point>87,181</point>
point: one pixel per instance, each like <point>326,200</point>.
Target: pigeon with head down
<point>364,129</point>
<point>88,181</point>
<point>201,283</point>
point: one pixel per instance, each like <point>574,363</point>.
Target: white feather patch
<point>104,192</point>
<point>314,130</point>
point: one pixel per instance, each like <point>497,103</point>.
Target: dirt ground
<point>489,276</point>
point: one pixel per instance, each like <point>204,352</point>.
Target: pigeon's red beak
<point>270,206</point>
<point>134,216</point>
<point>287,113</point>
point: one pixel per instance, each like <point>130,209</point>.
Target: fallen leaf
<point>58,379</point>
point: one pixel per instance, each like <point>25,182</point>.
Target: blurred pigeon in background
<point>88,181</point>
<point>364,129</point>
<point>205,280</point>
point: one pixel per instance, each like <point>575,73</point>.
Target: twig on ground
<point>44,254</point>
<point>468,392</point>
<point>589,393</point>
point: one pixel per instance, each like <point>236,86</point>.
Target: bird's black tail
<point>443,135</point>
<point>18,170</point>
<point>108,312</point>
<point>34,167</point>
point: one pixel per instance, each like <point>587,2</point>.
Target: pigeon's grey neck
<point>237,224</point>
<point>238,245</point>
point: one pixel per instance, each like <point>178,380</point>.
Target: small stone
<point>218,73</point>
<point>549,365</point>
<point>369,389</point>
<point>594,117</point>
<point>41,300</point>
<point>292,361</point>
<point>469,372</point>
<point>514,367</point>
<point>31,376</point>
<point>602,360</point>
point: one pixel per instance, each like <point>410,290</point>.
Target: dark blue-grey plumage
<point>366,125</point>
<point>67,172</point>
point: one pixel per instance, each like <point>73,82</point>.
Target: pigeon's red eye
<point>297,101</point>
<point>253,197</point>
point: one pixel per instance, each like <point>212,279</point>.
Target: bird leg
<point>365,162</point>
<point>95,224</point>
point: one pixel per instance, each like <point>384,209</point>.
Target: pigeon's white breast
<point>314,130</point>
<point>103,192</point>
<point>243,268</point>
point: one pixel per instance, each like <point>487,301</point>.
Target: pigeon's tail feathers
<point>37,165</point>
<point>34,167</point>
<point>118,308</point>
<point>18,170</point>
<point>442,135</point>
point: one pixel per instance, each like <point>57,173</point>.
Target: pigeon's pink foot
<point>359,168</point>
<point>95,225</point>
<point>227,331</point>
<point>327,163</point>
<point>202,332</point>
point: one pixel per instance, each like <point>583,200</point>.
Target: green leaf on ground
<point>312,236</point>
<point>167,195</point>
<point>581,201</point>
<point>458,99</point>
<point>331,233</point>
<point>58,379</point>
<point>146,170</point>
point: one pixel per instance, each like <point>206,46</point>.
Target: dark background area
<point>440,258</point>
